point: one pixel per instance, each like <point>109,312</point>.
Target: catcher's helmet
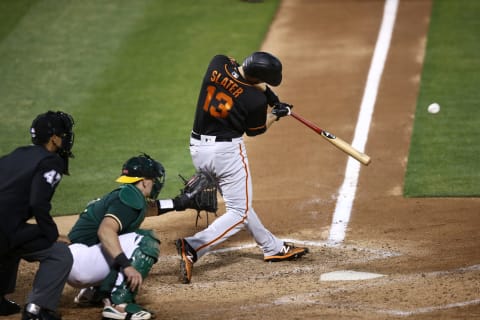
<point>263,66</point>
<point>143,167</point>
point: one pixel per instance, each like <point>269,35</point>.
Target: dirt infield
<point>428,250</point>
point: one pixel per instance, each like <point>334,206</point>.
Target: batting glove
<point>282,109</point>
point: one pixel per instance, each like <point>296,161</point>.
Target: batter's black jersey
<point>228,106</point>
<point>28,179</point>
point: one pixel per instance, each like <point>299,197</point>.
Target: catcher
<point>108,237</point>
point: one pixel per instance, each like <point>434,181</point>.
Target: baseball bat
<point>336,141</point>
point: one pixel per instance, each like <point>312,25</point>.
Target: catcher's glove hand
<point>199,193</point>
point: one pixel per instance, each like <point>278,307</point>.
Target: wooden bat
<point>336,141</point>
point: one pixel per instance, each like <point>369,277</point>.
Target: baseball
<point>434,108</point>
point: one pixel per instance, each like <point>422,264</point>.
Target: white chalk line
<point>343,208</point>
<point>431,309</point>
<point>324,244</point>
<point>314,298</point>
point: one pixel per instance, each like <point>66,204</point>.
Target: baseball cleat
<point>112,313</point>
<point>288,252</point>
<point>88,297</point>
<point>8,307</point>
<point>187,257</point>
<point>35,312</point>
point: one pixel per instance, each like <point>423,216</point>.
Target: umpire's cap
<point>263,66</point>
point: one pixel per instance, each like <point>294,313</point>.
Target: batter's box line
<point>391,312</point>
<point>323,244</point>
<point>315,298</point>
<point>402,313</point>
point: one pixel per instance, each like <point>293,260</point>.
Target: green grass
<point>444,158</point>
<point>128,71</point>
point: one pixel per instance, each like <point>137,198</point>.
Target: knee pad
<point>142,259</point>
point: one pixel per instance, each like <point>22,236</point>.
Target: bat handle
<point>309,124</point>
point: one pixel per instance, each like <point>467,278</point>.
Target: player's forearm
<point>270,119</point>
<point>109,241</point>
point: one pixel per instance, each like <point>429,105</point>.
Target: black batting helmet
<point>264,67</point>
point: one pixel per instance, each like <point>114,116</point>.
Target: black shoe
<point>89,297</point>
<point>8,307</point>
<point>34,312</point>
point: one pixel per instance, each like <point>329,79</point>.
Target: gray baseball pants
<point>50,278</point>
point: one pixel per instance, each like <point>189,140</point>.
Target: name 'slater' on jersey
<point>228,106</point>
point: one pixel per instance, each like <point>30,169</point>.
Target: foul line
<point>347,191</point>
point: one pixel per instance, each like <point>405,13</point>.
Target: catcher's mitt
<point>200,193</point>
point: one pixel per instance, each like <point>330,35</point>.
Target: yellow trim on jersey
<point>114,217</point>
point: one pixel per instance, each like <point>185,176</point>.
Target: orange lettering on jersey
<point>215,76</point>
<point>226,82</point>
<point>237,92</point>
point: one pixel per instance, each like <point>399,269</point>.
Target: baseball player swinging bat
<point>336,141</point>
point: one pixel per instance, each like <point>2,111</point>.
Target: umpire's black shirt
<point>28,179</point>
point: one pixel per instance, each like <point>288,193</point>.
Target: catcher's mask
<point>56,123</point>
<point>264,67</point>
<point>143,167</point>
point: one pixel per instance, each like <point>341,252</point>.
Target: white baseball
<point>434,108</point>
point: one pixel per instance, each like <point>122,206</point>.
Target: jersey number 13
<point>218,104</point>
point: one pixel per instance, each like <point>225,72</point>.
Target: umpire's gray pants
<point>51,276</point>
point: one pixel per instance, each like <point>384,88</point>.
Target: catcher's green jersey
<point>127,205</point>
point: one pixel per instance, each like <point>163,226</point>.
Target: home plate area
<point>244,262</point>
<point>348,275</point>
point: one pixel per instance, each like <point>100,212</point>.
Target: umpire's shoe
<point>34,312</point>
<point>187,257</point>
<point>8,307</point>
<point>288,252</point>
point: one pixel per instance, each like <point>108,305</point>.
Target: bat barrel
<point>337,142</point>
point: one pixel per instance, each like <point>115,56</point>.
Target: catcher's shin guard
<point>143,258</point>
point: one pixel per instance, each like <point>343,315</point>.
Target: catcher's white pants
<point>229,161</point>
<point>91,265</point>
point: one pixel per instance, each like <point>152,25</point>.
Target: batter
<point>230,104</point>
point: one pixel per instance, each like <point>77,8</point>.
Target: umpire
<point>29,176</point>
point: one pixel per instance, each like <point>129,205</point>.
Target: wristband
<point>121,261</point>
<point>272,98</point>
<point>164,206</point>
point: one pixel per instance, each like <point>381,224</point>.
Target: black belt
<point>218,139</point>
